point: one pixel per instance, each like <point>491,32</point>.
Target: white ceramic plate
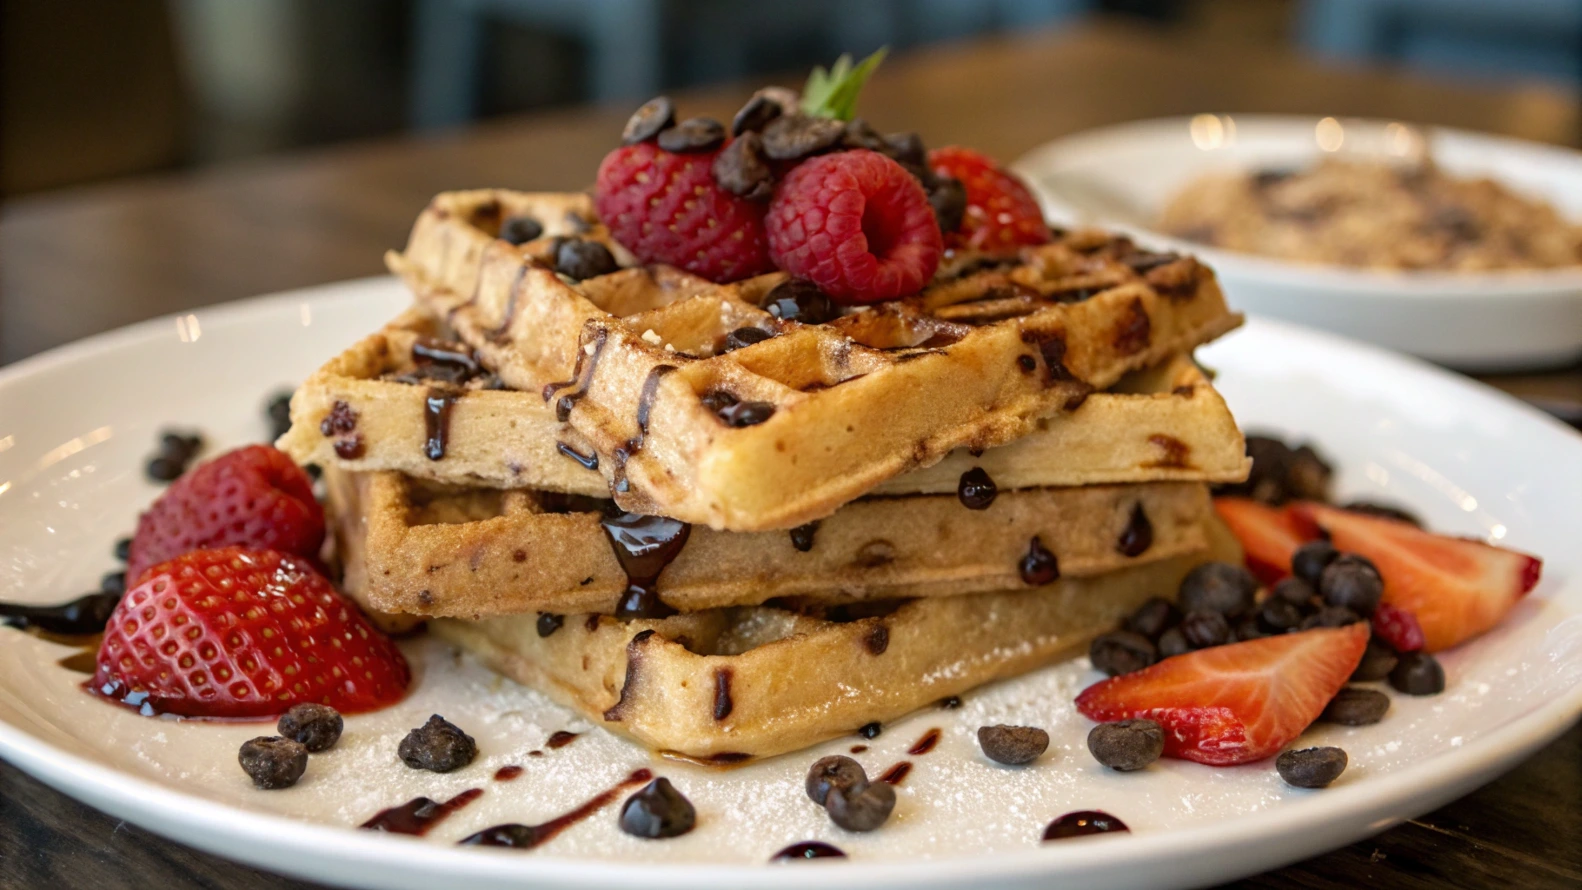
<point>77,423</point>
<point>1121,176</point>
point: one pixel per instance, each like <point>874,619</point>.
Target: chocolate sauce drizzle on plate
<point>420,814</point>
<point>925,744</point>
<point>897,773</point>
<point>644,545</point>
<point>1082,823</point>
<point>526,837</point>
<point>507,773</point>
<point>808,850</point>
<point>436,421</point>
<point>560,739</point>
<point>79,617</point>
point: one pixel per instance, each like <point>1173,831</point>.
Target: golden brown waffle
<point>439,551</point>
<point>728,684</point>
<point>1158,424</point>
<point>636,359</point>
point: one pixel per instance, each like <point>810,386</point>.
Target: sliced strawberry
<point>243,633</point>
<point>1237,703</point>
<point>1397,627</point>
<point>1456,588</point>
<point>1267,535</point>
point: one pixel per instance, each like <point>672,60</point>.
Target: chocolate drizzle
<point>645,409</point>
<point>79,617</point>
<point>1081,823</point>
<point>896,774</point>
<point>722,694</point>
<point>502,332</point>
<point>925,744</point>
<point>589,461</point>
<point>560,739</point>
<point>450,362</point>
<point>580,381</point>
<point>1039,566</point>
<point>526,837</point>
<point>1138,535</point>
<point>436,421</point>
<point>976,490</point>
<point>420,814</point>
<point>644,545</point>
<point>508,773</point>
<point>807,850</point>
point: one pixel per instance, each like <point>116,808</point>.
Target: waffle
<point>725,685</point>
<point>783,431</point>
<point>1161,423</point>
<point>439,551</point>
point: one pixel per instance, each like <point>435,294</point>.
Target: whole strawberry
<point>665,207</point>
<point>251,497</point>
<point>243,633</point>
<point>856,224</point>
<point>1001,213</point>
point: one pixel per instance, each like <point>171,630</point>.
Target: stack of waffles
<point>731,521</point>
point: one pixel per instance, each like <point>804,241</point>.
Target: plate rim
<point>206,824</point>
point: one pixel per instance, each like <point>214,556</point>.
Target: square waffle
<point>429,550</point>
<point>783,430</point>
<point>410,400</point>
<point>726,685</point>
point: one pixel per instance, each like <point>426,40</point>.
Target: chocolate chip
<point>342,419</point>
<point>646,122</point>
<point>1127,745</point>
<point>165,469</point>
<point>1012,745</point>
<point>350,447</point>
<point>803,536</point>
<point>1418,673</point>
<point>521,229</point>
<point>871,731</point>
<point>1354,706</point>
<point>318,727</point>
<point>658,811</point>
<point>438,746</point>
<point>181,446</point>
<point>113,583</point>
<point>835,771</point>
<point>549,622</point>
<point>580,260</point>
<point>273,762</point>
<point>744,337</point>
<point>1121,652</point>
<point>1330,616</point>
<point>797,299</point>
<point>1311,767</point>
<point>948,197</point>
<point>755,115</point>
<point>1218,587</point>
<point>907,148</point>
<point>740,414</point>
<point>692,134</point>
<point>1203,629</point>
<point>278,412</point>
<point>860,134</point>
<point>1153,618</point>
<point>976,490</point>
<point>123,549</point>
<point>1172,643</point>
<point>1353,582</point>
<point>862,807</point>
<point>1378,660</point>
<point>742,170</point>
<point>792,137</point>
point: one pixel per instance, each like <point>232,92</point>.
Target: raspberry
<point>1398,628</point>
<point>252,497</point>
<point>666,208</point>
<point>856,224</point>
<point>243,633</point>
<point>1001,213</point>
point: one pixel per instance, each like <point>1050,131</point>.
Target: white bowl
<point>1122,176</point>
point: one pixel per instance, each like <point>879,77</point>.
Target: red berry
<point>1001,213</point>
<point>251,497</point>
<point>244,633</point>
<point>667,208</point>
<point>1237,703</point>
<point>1454,587</point>
<point>1397,627</point>
<point>1267,535</point>
<point>856,224</point>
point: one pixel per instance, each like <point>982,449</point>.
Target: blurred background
<point>95,90</point>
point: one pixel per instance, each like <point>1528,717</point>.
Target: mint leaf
<point>833,93</point>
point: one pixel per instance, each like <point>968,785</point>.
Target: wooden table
<point>79,262</point>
